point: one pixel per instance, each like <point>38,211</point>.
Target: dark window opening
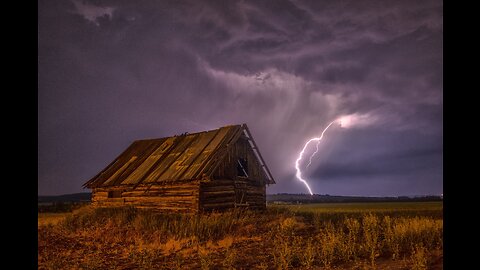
<point>115,194</point>
<point>242,167</point>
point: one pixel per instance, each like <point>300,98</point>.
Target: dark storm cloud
<point>111,72</point>
<point>378,165</point>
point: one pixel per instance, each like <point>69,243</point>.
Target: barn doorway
<point>240,193</point>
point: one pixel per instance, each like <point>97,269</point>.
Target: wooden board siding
<point>256,196</point>
<point>227,189</point>
<point>228,168</point>
<point>228,193</point>
<point>174,197</point>
<point>217,195</point>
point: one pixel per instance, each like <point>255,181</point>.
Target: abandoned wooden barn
<point>210,170</point>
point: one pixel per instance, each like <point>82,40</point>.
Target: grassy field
<point>413,207</point>
<point>316,236</point>
<point>50,218</point>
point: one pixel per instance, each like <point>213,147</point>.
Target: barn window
<point>115,194</point>
<point>242,167</point>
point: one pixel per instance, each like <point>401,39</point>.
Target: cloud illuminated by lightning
<point>357,120</point>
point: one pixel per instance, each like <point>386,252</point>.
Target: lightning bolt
<point>300,156</point>
<point>310,160</point>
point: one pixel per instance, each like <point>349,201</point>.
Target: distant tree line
<point>59,206</point>
<point>316,198</point>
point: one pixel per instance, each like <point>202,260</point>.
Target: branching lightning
<point>316,150</point>
<point>300,156</point>
<point>345,121</point>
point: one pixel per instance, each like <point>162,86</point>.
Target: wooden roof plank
<point>106,173</point>
<point>142,152</point>
<point>137,176</point>
<point>218,155</point>
<point>164,167</point>
<point>193,161</point>
<point>204,158</point>
<point>178,158</point>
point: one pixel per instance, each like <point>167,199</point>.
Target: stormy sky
<point>111,72</point>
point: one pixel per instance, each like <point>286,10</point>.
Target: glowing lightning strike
<point>310,160</point>
<point>297,162</point>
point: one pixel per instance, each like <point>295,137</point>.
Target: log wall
<point>173,197</point>
<point>227,193</point>
<point>255,195</point>
<point>217,195</point>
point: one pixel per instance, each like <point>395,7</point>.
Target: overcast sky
<point>111,72</point>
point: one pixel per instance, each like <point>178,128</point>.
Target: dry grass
<point>50,218</point>
<point>277,238</point>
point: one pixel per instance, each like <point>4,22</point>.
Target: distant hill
<point>317,198</point>
<point>75,197</point>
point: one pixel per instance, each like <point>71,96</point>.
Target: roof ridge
<point>187,133</point>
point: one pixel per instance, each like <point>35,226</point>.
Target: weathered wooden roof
<point>184,157</point>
